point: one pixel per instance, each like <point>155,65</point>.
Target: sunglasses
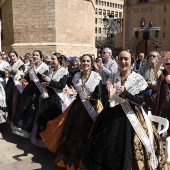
<point>167,64</point>
<point>104,52</point>
<point>152,55</point>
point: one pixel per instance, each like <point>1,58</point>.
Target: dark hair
<point>13,51</point>
<point>89,55</point>
<point>59,57</point>
<point>27,55</point>
<point>131,54</point>
<point>41,55</point>
<point>64,58</point>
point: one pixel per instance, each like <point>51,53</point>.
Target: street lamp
<point>112,27</point>
<point>156,44</point>
<point>146,32</point>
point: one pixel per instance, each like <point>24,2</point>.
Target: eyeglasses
<point>167,64</point>
<point>152,55</point>
<point>104,52</point>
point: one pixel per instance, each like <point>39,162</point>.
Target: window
<point>115,5</point>
<point>112,12</point>
<point>118,6</point>
<point>108,12</point>
<point>100,12</point>
<point>104,3</point>
<point>95,20</point>
<point>143,1</point>
<point>120,14</point>
<point>164,22</point>
<point>121,6</point>
<point>164,8</point>
<point>96,11</point>
<point>107,4</point>
<point>110,4</point>
<point>97,1</point>
<point>99,30</point>
<point>104,12</point>
<point>116,14</point>
<point>95,29</point>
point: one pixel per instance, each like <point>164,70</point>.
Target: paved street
<point>18,153</point>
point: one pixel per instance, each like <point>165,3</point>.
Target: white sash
<point>87,105</point>
<point>16,78</point>
<point>141,133</point>
<point>146,141</point>
<point>89,87</point>
<point>2,104</point>
<point>135,84</point>
<point>57,76</point>
<point>41,69</point>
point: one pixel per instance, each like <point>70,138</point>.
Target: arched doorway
<point>140,47</point>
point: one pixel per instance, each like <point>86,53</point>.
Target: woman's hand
<point>167,79</point>
<point>163,57</point>
<point>8,69</point>
<point>70,91</point>
<point>45,78</point>
<point>121,89</point>
<point>110,87</point>
<point>44,85</point>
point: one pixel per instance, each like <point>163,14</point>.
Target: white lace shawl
<point>59,74</point>
<point>134,84</point>
<point>90,84</point>
<point>3,65</point>
<point>16,65</point>
<point>41,69</point>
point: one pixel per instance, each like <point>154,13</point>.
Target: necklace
<point>124,78</point>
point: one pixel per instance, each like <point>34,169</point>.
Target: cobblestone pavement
<point>18,153</point>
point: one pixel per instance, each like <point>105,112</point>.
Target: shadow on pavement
<point>44,158</point>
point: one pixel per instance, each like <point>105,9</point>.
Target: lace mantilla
<point>16,65</point>
<point>41,69</point>
<point>90,84</point>
<point>3,64</point>
<point>59,74</point>
<point>134,84</point>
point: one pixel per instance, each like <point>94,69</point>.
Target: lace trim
<point>59,74</point>
<point>17,64</point>
<point>3,64</point>
<point>134,84</point>
<point>41,69</point>
<point>91,83</point>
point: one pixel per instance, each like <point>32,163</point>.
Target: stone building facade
<point>136,11</point>
<point>49,25</point>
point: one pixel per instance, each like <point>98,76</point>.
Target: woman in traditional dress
<point>29,102</point>
<point>81,116</point>
<point>119,138</point>
<point>162,102</point>
<point>14,85</point>
<point>55,101</point>
<point>3,107</point>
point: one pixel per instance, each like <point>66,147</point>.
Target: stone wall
<point>49,25</point>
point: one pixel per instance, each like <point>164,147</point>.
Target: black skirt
<point>110,145</point>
